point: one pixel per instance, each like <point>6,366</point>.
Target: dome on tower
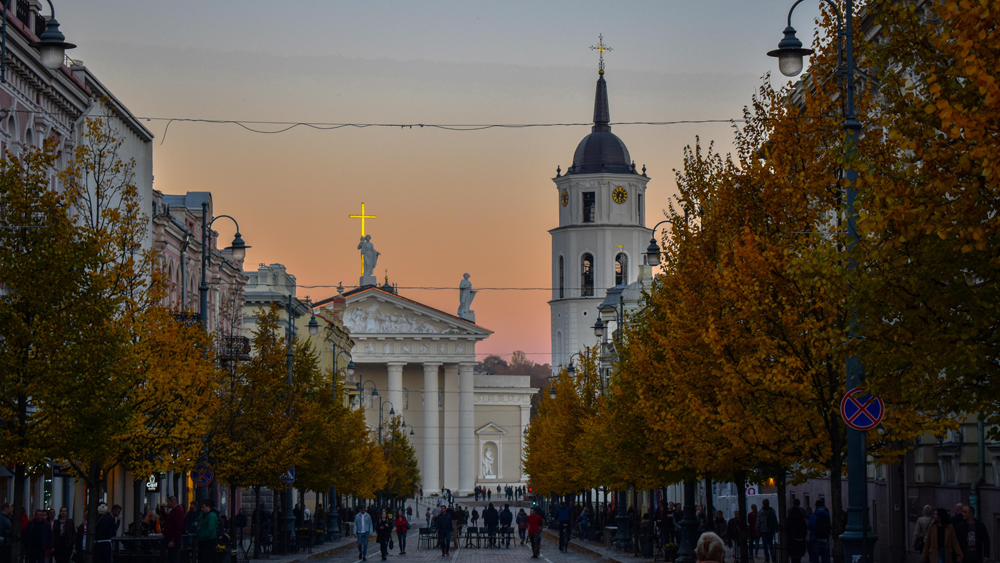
<point>601,150</point>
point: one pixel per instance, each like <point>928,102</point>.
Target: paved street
<point>516,553</point>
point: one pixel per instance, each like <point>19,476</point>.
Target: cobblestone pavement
<point>516,554</point>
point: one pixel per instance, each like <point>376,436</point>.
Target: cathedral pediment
<point>376,312</point>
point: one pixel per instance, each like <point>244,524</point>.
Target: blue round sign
<point>202,475</point>
<point>862,411</point>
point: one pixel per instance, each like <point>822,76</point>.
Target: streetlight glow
<point>790,53</point>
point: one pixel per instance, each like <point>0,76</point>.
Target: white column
<point>431,474</point>
<point>449,472</point>
<point>466,430</point>
<point>395,386</point>
<point>525,418</point>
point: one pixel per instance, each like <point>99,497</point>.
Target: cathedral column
<point>467,430</point>
<point>395,385</point>
<point>449,473</point>
<point>431,475</point>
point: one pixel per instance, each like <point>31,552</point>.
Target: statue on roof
<point>465,296</point>
<point>370,258</point>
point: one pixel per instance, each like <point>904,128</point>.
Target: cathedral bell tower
<point>602,235</point>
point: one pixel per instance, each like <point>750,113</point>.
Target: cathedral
<point>602,235</point>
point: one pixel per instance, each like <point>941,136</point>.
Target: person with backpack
<point>920,530</point>
<point>798,532</point>
<point>820,527</point>
<point>208,532</point>
<point>767,525</point>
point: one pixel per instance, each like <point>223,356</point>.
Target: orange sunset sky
<point>447,202</point>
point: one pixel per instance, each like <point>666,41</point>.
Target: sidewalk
<point>328,549</point>
<point>596,550</point>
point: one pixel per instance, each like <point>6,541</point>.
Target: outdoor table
<point>138,548</point>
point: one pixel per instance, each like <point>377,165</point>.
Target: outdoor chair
<point>427,536</point>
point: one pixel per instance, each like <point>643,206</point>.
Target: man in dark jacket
<point>972,537</point>
<point>37,538</point>
<point>103,532</point>
<point>6,531</point>
<point>492,519</point>
<point>562,517</point>
<point>506,518</point>
<point>173,529</point>
<point>63,537</point>
<point>444,525</point>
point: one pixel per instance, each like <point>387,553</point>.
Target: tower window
<point>639,210</point>
<point>589,206</point>
<point>562,278</point>
<point>587,276</point>
<point>621,269</point>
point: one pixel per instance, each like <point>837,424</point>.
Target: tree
<point>403,476</point>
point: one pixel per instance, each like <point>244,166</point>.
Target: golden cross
<point>362,217</point>
<point>600,48</point>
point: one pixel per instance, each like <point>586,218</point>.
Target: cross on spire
<point>600,48</point>
<point>362,217</point>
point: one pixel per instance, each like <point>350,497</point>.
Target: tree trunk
<point>709,505</point>
<point>232,513</point>
<point>19,507</point>
<point>93,500</point>
<point>256,523</point>
<point>837,500</point>
<point>136,504</point>
<point>741,502</point>
<point>782,512</point>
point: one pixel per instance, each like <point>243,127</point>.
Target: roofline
<point>365,289</point>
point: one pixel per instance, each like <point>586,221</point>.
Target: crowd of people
<point>954,538</point>
<point>509,493</point>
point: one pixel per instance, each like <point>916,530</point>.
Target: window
<point>589,206</point>
<point>406,399</point>
<point>587,275</point>
<point>639,210</point>
<point>621,269</point>
<point>562,278</point>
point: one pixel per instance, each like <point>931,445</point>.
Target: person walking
<point>208,532</point>
<point>489,495</point>
<point>427,516</point>
<point>103,532</point>
<point>475,517</point>
<point>920,530</point>
<point>719,525</point>
<point>733,534</point>
<point>752,531</point>
<point>37,538</point>
<point>6,531</point>
<point>820,526</point>
<point>522,524</point>
<point>63,536</point>
<point>767,525</point>
<point>491,518</point>
<point>173,529</point>
<point>972,536</point>
<point>444,527</point>
<point>383,532</point>
<point>362,531</point>
<point>535,523</point>
<point>402,527</point>
<point>798,532</point>
<point>562,518</point>
<point>506,519</point>
<point>941,545</point>
<point>710,549</point>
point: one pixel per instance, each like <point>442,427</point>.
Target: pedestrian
<point>522,524</point>
<point>972,536</point>
<point>798,532</point>
<point>920,530</point>
<point>489,495</point>
<point>475,517</point>
<point>208,532</point>
<point>941,544</point>
<point>444,527</point>
<point>562,518</point>
<point>402,526</point>
<point>752,530</point>
<point>820,526</point>
<point>362,530</point>
<point>191,523</point>
<point>103,532</point>
<point>6,531</point>
<point>957,516</point>
<point>535,523</point>
<point>733,534</point>
<point>173,529</point>
<point>491,518</point>
<point>63,536</point>
<point>506,519</point>
<point>710,549</point>
<point>37,538</point>
<point>427,516</point>
<point>767,525</point>
<point>383,532</point>
<point>719,525</point>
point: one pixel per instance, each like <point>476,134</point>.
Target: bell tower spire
<point>602,114</point>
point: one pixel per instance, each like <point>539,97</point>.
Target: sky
<point>447,202</point>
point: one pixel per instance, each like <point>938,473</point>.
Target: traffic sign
<point>288,476</point>
<point>202,475</point>
<point>861,411</point>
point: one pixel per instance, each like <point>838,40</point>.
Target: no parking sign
<point>862,411</point>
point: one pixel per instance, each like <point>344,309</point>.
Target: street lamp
<point>313,326</point>
<point>51,43</point>
<point>856,538</point>
<point>238,248</point>
<point>599,328</point>
<point>653,250</point>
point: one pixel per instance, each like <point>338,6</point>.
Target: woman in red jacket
<point>402,527</point>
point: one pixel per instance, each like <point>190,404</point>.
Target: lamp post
<point>51,43</point>
<point>288,495</point>
<point>239,250</point>
<point>857,539</point>
<point>332,514</point>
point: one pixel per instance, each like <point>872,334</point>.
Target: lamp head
<point>350,369</point>
<point>52,45</point>
<point>653,253</point>
<point>313,326</point>
<point>552,392</point>
<point>392,411</point>
<point>411,432</point>
<point>599,328</point>
<point>571,370</point>
<point>374,391</point>
<point>239,248</point>
<point>789,53</point>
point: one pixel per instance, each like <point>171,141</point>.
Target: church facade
<point>602,234</point>
<point>418,362</point>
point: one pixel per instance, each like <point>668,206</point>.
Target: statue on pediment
<point>465,296</point>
